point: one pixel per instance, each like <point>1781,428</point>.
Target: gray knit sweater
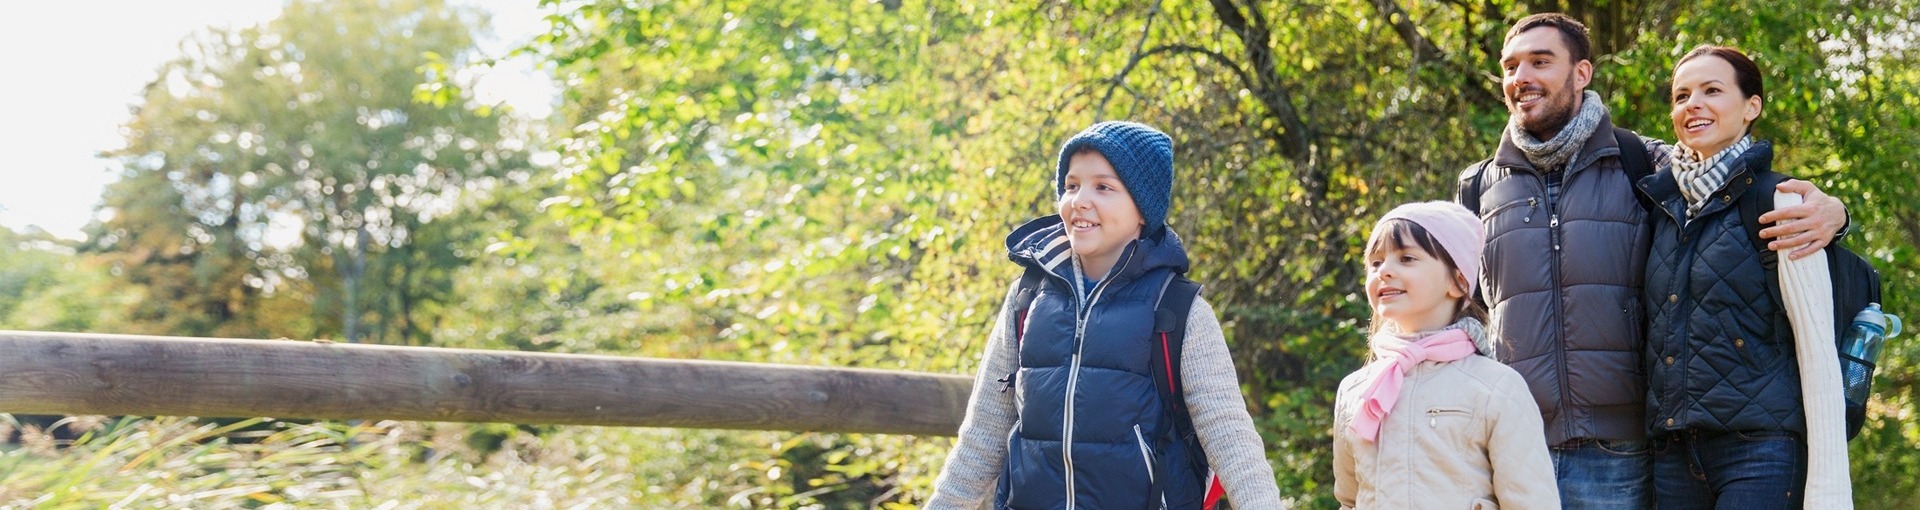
<point>1234,449</point>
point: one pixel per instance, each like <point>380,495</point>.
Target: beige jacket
<point>1465,435</point>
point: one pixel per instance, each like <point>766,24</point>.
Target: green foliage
<point>829,183</point>
<point>45,286</point>
<point>282,180</point>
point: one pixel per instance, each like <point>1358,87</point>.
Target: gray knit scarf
<point>1475,330</point>
<point>1552,155</point>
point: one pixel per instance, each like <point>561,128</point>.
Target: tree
<point>46,286</point>
<point>303,161</point>
<point>763,166</point>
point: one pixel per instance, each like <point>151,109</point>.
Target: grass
<point>136,463</point>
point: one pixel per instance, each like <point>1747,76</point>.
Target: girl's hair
<point>1746,74</point>
<point>1396,233</point>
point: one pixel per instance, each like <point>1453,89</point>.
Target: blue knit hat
<point>1143,156</point>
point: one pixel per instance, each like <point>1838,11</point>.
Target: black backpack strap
<point>1030,283</point>
<point>1468,191</point>
<point>1467,194</point>
<point>1170,313</point>
<point>1023,295</point>
<point>1170,335</point>
<point>1634,158</point>
<point>1757,200</point>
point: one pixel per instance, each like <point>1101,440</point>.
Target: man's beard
<point>1560,110</point>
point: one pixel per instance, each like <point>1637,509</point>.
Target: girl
<point>1430,423</point>
<point>1065,413</point>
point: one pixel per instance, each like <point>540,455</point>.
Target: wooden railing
<point>63,373</point>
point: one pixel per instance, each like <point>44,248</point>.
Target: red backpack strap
<point>1215,491</point>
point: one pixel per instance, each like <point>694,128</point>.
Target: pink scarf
<point>1395,358</point>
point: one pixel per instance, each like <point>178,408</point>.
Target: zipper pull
<point>1554,222</point>
<point>1531,202</point>
<point>1007,382</point>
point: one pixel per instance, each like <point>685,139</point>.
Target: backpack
<point>1170,329</point>
<point>1633,157</point>
<point>1855,282</point>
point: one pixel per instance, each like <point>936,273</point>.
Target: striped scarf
<point>1700,175</point>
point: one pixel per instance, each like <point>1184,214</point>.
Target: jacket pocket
<point>1446,415</point>
<point>1453,424</point>
<point>1146,452</point>
<point>1756,352</point>
<point>1532,204</point>
<point>1152,459</point>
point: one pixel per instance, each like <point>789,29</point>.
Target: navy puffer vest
<point>1720,353</point>
<point>1092,431</point>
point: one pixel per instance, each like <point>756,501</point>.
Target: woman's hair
<point>1746,74</point>
<point>1397,232</point>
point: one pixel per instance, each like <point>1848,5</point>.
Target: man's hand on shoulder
<point>1811,225</point>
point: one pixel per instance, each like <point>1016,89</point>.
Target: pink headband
<point>1458,230</point>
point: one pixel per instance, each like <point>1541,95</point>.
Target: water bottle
<point>1860,350</point>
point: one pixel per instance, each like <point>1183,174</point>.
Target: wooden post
<point>62,373</point>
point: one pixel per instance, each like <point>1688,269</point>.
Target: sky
<point>70,70</point>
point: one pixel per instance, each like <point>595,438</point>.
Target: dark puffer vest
<point>1562,281</point>
<point>1092,431</point>
<point>1720,351</point>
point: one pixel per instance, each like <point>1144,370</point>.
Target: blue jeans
<point>1597,474</point>
<point>1753,470</point>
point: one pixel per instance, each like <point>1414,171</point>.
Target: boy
<point>1083,424</point>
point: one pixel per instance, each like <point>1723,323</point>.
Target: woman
<point>1724,404</point>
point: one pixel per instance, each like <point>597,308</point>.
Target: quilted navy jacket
<point>1719,352</point>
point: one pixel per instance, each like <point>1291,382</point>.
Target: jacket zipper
<point>1532,203</point>
<point>1559,307</point>
<point>1434,414</point>
<point>1073,373</point>
<point>1146,455</point>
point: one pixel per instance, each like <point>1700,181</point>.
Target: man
<point>1567,244</point>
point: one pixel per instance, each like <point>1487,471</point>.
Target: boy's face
<point>1541,82</point>
<point>1098,210</point>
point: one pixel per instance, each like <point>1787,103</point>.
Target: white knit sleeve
<point>1808,291</point>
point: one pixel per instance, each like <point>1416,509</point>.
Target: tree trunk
<point>351,273</point>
